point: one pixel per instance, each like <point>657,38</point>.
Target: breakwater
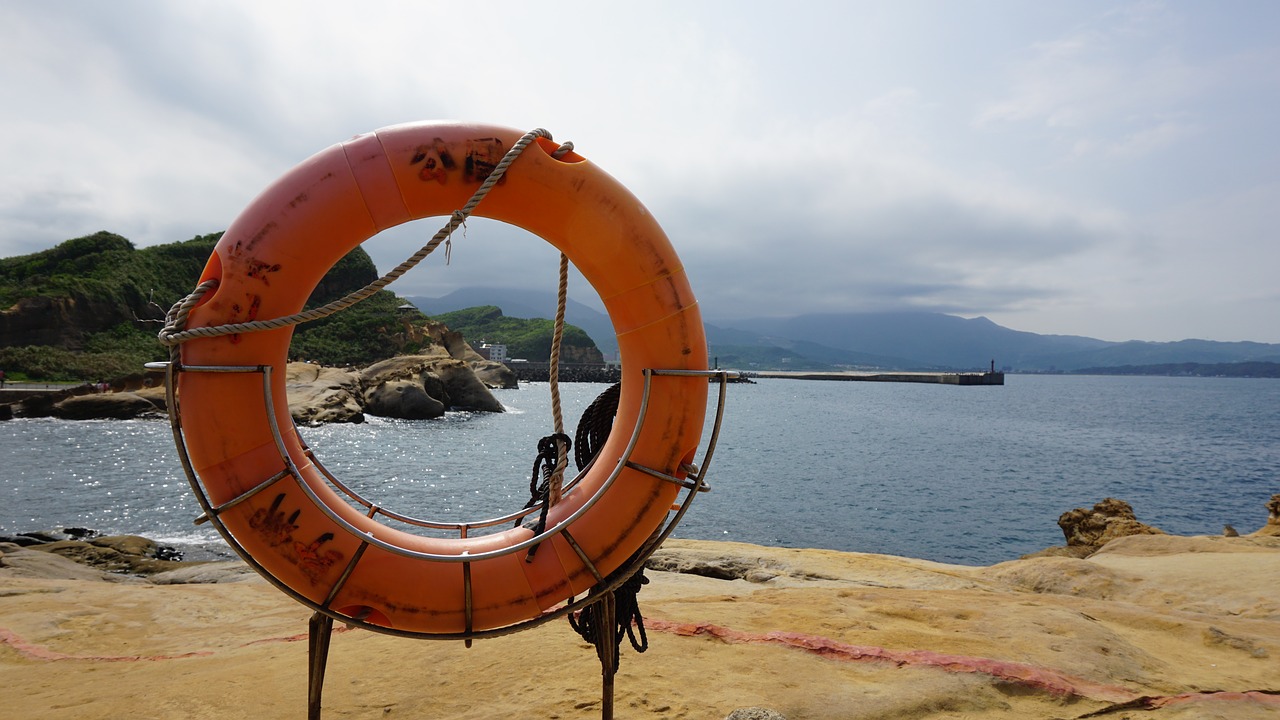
<point>569,372</point>
<point>974,378</point>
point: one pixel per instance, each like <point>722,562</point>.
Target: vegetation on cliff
<point>529,339</point>
<point>89,310</point>
<point>109,298</point>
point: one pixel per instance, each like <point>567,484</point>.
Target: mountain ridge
<point>902,340</point>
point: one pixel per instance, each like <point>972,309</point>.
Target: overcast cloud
<point>1091,168</point>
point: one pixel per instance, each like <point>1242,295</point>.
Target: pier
<point>970,378</point>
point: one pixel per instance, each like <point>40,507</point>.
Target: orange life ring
<point>297,528</point>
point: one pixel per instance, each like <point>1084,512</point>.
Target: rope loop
<point>175,331</point>
<point>629,622</point>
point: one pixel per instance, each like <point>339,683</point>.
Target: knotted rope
<point>545,466</point>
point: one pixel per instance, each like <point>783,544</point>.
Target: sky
<point>1107,169</point>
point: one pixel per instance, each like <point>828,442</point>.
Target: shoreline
<point>1176,626</point>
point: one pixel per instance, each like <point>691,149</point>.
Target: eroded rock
<point>1106,521</point>
<point>129,554</point>
<point>107,406</point>
<point>1272,528</point>
<point>447,379</point>
<point>319,394</point>
<point>403,399</point>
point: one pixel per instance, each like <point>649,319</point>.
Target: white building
<point>493,351</point>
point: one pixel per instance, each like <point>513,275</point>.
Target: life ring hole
<point>436,475</point>
<point>365,613</point>
<point>551,146</point>
<point>212,271</point>
<point>424,478</point>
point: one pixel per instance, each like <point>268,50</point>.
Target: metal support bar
<point>243,496</point>
<point>606,646</point>
<point>687,484</point>
<point>467,600</point>
<point>346,573</point>
<point>582,555</point>
<point>320,630</point>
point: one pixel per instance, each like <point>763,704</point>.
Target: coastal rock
<point>443,377</point>
<point>1272,528</point>
<point>403,399</point>
<point>41,404</point>
<point>28,562</point>
<point>106,406</point>
<point>755,713</point>
<point>1060,576</point>
<point>492,374</point>
<point>156,395</point>
<point>722,566</point>
<point>128,554</point>
<point>1108,520</point>
<point>466,391</point>
<point>225,571</point>
<point>1164,627</point>
<point>319,394</point>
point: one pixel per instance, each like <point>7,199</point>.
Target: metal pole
<point>606,646</point>
<point>320,629</point>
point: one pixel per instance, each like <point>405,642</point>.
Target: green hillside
<point>529,339</point>
<point>89,309</point>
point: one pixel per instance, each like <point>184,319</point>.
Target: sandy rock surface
<point>1152,626</point>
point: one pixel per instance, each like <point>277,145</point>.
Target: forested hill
<point>90,308</point>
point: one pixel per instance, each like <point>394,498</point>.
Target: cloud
<point>1055,165</point>
<point>1104,80</point>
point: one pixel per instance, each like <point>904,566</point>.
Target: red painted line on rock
<point>1048,680</point>
<point>1040,678</point>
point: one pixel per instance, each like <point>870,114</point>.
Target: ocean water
<point>971,475</point>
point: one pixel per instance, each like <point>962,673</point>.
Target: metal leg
<point>320,629</point>
<point>606,646</point>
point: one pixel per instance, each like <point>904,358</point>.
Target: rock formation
<point>1272,528</point>
<point>110,406</point>
<point>449,375</point>
<point>319,394</point>
<point>1086,530</point>
<point>118,554</point>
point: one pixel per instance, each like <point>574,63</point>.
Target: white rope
<point>557,334</point>
<point>175,332</point>
<point>556,482</point>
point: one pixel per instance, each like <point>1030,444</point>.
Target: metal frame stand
<point>321,624</point>
<point>320,630</point>
<point>606,646</point>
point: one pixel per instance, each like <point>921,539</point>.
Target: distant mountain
<point>920,340</point>
<point>884,340</point>
<point>1236,369</point>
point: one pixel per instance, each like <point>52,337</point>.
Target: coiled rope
<point>593,430</point>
